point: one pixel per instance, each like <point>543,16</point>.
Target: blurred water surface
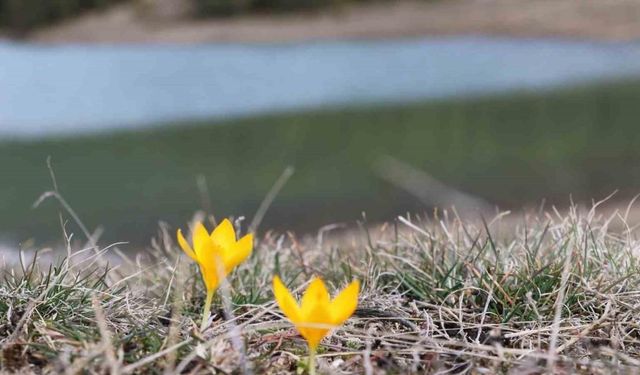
<point>52,90</point>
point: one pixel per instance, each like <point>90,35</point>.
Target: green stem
<point>312,361</point>
<point>207,310</point>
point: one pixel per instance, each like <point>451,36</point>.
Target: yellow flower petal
<point>184,245</point>
<point>317,315</point>
<point>208,256</point>
<point>224,235</point>
<point>316,294</point>
<point>210,276</point>
<point>345,303</point>
<point>316,325</point>
<point>238,252</point>
<point>216,253</point>
<point>285,300</point>
<point>201,241</point>
<point>212,264</point>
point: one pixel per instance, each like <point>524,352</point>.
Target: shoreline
<point>568,19</point>
<point>36,42</point>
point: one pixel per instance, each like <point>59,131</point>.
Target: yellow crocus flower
<point>217,254</point>
<point>317,314</point>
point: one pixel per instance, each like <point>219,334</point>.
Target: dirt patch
<point>590,19</point>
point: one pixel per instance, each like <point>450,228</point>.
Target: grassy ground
<point>548,292</point>
<point>507,150</point>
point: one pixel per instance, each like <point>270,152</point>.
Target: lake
<point>66,90</point>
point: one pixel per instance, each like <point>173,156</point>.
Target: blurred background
<point>152,109</point>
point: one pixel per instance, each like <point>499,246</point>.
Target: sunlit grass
<point>524,293</point>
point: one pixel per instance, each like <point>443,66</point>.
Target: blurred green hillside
<point>509,149</point>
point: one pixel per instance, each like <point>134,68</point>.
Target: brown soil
<point>588,19</point>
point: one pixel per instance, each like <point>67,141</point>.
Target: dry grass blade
<point>556,292</point>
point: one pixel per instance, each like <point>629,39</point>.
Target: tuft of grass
<point>527,294</point>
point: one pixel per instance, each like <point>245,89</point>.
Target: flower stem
<point>312,361</point>
<point>207,310</point>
